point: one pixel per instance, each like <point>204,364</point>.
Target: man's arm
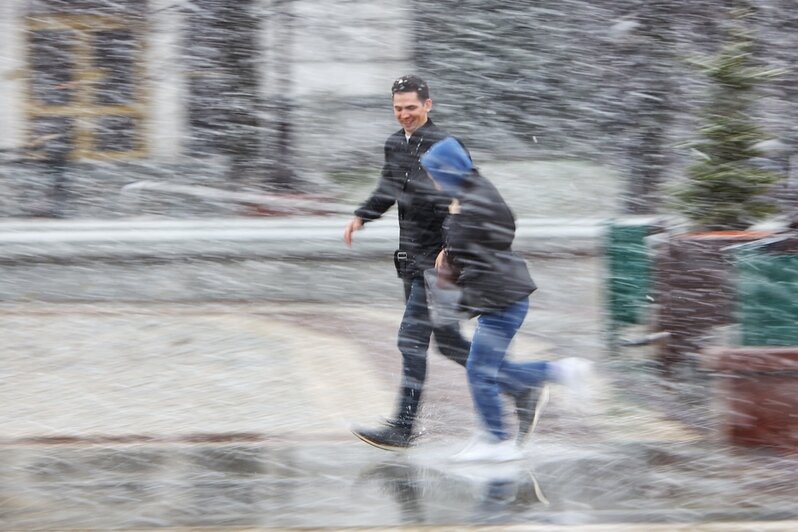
<point>384,196</point>
<point>380,200</point>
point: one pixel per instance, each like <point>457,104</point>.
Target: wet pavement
<point>236,416</point>
<point>335,482</point>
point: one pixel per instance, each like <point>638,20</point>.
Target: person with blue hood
<point>495,285</point>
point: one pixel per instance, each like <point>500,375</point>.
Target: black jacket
<point>422,209</point>
<point>479,245</point>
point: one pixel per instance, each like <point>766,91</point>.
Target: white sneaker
<point>574,373</point>
<point>486,448</point>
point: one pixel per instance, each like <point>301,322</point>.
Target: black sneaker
<point>391,436</point>
<point>528,407</point>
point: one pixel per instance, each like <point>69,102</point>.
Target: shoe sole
<point>380,445</point>
<point>543,400</point>
<point>454,460</point>
<point>540,405</point>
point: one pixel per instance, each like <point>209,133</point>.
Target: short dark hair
<point>411,83</point>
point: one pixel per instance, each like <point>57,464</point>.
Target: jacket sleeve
<point>383,197</point>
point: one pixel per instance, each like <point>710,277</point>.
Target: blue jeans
<point>414,338</point>
<point>488,371</point>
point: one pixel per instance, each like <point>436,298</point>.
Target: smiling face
<point>410,111</point>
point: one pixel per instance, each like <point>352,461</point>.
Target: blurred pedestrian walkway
<point>236,416</point>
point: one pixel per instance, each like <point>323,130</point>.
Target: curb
<point>305,237</point>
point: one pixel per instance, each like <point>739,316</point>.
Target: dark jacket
<point>422,208</point>
<point>479,245</point>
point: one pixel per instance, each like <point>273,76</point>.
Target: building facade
<point>278,95</point>
<point>252,95</point>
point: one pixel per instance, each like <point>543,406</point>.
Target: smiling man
<point>422,210</point>
<point>410,111</point>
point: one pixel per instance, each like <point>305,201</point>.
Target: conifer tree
<point>724,190</point>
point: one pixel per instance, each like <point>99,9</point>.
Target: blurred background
<point>294,96</point>
<point>186,340</point>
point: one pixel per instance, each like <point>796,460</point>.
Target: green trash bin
<point>767,292</point>
<point>628,267</point>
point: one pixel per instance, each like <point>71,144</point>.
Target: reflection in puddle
<point>347,484</point>
<point>425,487</point>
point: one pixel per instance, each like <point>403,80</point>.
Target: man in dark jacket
<point>422,210</point>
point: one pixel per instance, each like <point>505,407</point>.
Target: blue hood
<point>448,164</point>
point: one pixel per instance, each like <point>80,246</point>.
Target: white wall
<point>12,73</point>
<point>349,48</point>
<point>337,66</point>
<point>166,98</point>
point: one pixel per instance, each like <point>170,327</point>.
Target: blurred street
<point>232,415</point>
<point>187,342</point>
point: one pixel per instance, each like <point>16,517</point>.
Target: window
<point>85,80</point>
<point>222,53</point>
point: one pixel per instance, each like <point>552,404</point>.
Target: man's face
<point>410,111</point>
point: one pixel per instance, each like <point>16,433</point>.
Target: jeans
<point>488,371</point>
<point>414,338</point>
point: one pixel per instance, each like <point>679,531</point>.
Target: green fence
<point>767,297</point>
<point>628,272</point>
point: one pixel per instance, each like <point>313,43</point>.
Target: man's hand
<point>441,261</point>
<point>356,224</point>
<point>446,273</point>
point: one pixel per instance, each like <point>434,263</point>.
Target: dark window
<point>115,57</point>
<point>52,67</point>
<point>221,53</point>
<point>116,134</point>
<point>53,137</point>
